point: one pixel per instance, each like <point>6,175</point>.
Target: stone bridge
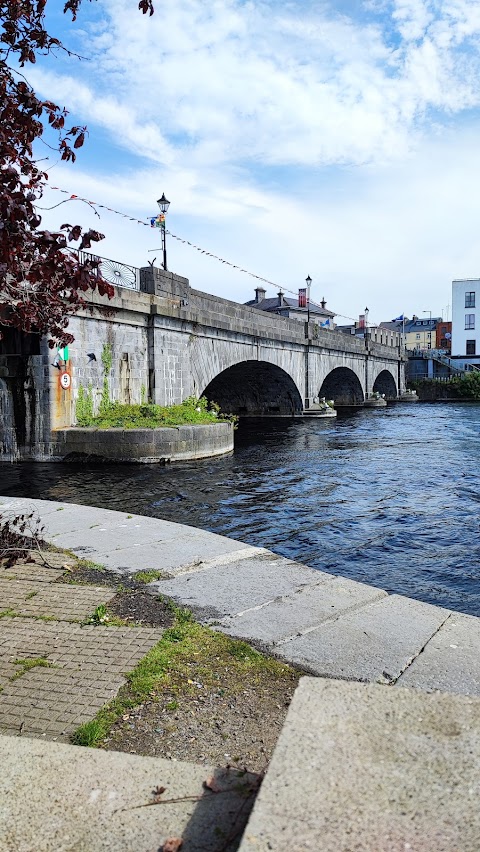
<point>255,363</point>
<point>166,342</point>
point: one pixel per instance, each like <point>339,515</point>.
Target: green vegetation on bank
<point>186,654</point>
<point>466,386</point>
<point>147,415</point>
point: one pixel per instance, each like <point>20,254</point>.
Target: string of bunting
<point>157,221</point>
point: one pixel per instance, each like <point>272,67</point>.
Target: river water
<point>390,497</point>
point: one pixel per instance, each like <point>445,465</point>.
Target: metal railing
<point>114,272</point>
<point>452,363</point>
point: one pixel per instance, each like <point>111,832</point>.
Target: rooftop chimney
<point>260,294</point>
<point>280,298</point>
<point>323,303</point>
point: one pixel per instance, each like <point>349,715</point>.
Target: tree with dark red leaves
<point>41,278</point>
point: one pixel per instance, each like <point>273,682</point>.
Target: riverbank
<point>465,388</point>
<point>340,731</point>
<point>322,623</point>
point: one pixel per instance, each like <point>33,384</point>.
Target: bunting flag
<point>158,221</point>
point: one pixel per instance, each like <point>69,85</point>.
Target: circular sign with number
<point>65,380</point>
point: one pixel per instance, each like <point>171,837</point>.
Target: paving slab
<point>85,668</point>
<point>59,798</point>
<point>451,660</point>
<point>368,768</point>
<point>122,541</point>
<point>374,643</point>
<point>238,586</point>
<point>32,572</point>
<point>300,612</point>
<point>52,600</point>
<point>21,504</point>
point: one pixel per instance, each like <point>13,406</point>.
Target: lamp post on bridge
<point>163,204</point>
<point>308,282</point>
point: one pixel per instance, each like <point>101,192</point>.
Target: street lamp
<point>163,204</point>
<point>308,282</point>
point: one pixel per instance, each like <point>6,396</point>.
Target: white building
<point>466,318</point>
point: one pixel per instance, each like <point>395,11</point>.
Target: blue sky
<point>335,139</point>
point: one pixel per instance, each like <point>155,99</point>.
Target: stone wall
<point>178,443</point>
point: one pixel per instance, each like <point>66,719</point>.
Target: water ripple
<point>386,497</point>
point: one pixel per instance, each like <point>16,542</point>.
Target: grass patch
<point>9,613</point>
<point>30,663</point>
<point>187,655</point>
<point>101,616</point>
<point>150,416</point>
<point>88,565</point>
<point>30,595</point>
<point>148,576</point>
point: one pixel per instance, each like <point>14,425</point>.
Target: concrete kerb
<point>325,625</point>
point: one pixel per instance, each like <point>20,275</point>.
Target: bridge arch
<point>385,383</point>
<point>255,389</point>
<point>343,386</point>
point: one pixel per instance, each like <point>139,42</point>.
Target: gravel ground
<point>220,726</point>
<point>223,719</point>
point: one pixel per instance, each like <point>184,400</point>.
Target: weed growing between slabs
<point>30,663</point>
<point>189,659</point>
<point>148,576</point>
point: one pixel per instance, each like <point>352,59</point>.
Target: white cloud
<point>234,107</point>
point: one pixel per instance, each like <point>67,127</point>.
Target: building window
<point>470,300</point>
<point>444,329</point>
<point>429,334</point>
<point>417,336</point>
<point>469,320</point>
<point>471,347</point>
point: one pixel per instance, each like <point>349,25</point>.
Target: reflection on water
<point>388,497</point>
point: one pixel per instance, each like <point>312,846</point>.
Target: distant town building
<point>419,333</point>
<point>377,334</point>
<point>465,322</point>
<point>444,336</point>
<point>293,308</point>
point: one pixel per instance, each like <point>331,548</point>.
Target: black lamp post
<point>164,204</point>
<point>308,282</point>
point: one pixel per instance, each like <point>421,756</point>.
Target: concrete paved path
<point>61,798</point>
<point>328,625</point>
<point>361,768</point>
<point>78,669</point>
